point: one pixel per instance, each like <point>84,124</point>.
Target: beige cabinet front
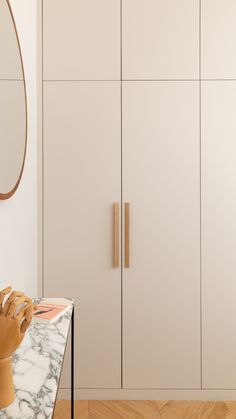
<point>160,39</point>
<point>218,39</point>
<point>161,288</point>
<point>81,39</point>
<point>82,179</point>
<point>219,233</point>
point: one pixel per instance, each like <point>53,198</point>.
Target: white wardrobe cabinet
<point>81,39</point>
<point>219,233</point>
<point>82,175</point>
<point>161,289</point>
<point>160,337</point>
<point>126,119</point>
<point>218,39</point>
<point>160,39</point>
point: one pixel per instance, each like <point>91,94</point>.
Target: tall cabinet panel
<point>219,233</point>
<point>218,39</point>
<point>81,39</point>
<point>161,288</point>
<point>160,39</point>
<point>82,155</point>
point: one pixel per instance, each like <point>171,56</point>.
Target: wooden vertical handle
<point>116,236</point>
<point>127,234</point>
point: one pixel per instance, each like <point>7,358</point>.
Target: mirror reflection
<point>13,124</point>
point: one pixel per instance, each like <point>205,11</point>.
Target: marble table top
<point>37,367</point>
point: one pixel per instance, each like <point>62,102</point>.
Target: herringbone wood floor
<point>147,410</point>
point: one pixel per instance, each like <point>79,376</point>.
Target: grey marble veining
<point>37,366</point>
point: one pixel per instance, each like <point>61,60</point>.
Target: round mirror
<point>13,108</point>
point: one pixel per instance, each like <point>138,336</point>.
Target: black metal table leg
<point>72,363</point>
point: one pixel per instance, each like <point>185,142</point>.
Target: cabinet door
<point>81,39</point>
<point>160,39</point>
<point>218,39</point>
<point>82,179</point>
<point>219,233</point>
<point>161,289</point>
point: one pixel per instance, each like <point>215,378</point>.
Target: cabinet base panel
<point>134,394</point>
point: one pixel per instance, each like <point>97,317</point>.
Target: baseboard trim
<point>124,394</point>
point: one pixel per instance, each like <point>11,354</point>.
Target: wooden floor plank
<point>231,407</point>
<point>123,410</point>
<point>62,410</point>
<point>147,410</point>
<point>179,410</point>
<point>220,411</point>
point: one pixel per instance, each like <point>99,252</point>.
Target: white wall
<point>18,216</point>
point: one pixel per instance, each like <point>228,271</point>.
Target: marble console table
<point>37,366</point>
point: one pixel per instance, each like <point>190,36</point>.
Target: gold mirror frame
<point>7,195</point>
